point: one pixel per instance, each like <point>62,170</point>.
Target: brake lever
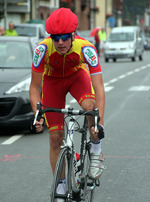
<point>36,118</point>
<point>97,118</point>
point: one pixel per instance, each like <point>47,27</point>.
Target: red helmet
<point>61,21</point>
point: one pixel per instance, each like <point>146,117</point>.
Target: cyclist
<point>59,64</point>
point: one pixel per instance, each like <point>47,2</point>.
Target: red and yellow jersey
<point>48,60</point>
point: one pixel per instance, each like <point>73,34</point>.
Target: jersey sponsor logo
<point>39,54</point>
<point>90,56</point>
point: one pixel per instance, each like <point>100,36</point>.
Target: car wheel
<point>106,60</point>
<point>133,59</point>
<point>140,58</point>
<point>114,59</point>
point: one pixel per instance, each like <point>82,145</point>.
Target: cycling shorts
<point>54,91</point>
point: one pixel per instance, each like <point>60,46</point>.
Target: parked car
<point>36,31</point>
<point>124,42</point>
<point>146,42</point>
<point>86,35</point>
<point>15,74</point>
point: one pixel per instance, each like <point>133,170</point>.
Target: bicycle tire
<point>57,176</point>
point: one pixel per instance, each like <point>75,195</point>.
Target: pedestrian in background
<point>97,42</point>
<point>102,36</point>
<point>11,31</point>
<point>2,31</point>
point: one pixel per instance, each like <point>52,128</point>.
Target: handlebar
<point>69,111</point>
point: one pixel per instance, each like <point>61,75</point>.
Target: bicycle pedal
<point>97,183</point>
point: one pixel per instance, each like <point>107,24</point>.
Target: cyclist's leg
<point>85,98</point>
<point>83,92</point>
<point>53,95</point>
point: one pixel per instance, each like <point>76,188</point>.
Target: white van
<point>124,42</point>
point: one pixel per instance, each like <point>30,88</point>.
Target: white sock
<point>96,147</point>
<point>61,188</point>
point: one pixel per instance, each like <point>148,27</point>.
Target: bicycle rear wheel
<point>62,163</point>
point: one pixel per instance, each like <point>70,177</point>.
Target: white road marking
<point>106,84</point>
<point>139,88</point>
<point>11,140</point>
<point>113,80</point>
<point>125,75</point>
<point>108,88</point>
<point>129,73</point>
<point>122,76</point>
<point>137,70</point>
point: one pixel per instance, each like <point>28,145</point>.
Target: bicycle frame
<point>68,151</point>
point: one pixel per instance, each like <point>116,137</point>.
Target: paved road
<point>25,174</point>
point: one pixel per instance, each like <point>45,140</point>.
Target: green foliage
<point>132,9</point>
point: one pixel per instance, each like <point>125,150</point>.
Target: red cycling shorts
<point>55,89</point>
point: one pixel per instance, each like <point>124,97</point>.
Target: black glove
<point>33,129</point>
<point>101,133</point>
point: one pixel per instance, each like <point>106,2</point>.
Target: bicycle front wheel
<point>62,164</point>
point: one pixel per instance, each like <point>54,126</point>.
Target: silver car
<point>86,35</point>
<point>15,74</point>
<point>124,42</point>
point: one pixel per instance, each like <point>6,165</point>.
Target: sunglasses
<point>64,37</point>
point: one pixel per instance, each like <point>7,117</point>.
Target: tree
<point>133,9</point>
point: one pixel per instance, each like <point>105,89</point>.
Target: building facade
<point>91,13</point>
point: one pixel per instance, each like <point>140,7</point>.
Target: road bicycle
<point>78,185</point>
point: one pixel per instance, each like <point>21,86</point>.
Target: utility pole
<point>30,9</point>
<point>5,14</point>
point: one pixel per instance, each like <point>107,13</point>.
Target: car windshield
<point>26,31</point>
<point>119,37</point>
<point>15,54</point>
<point>85,33</point>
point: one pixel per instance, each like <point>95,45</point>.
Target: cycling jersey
<point>48,60</point>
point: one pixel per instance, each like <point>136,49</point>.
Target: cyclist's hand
<point>39,125</point>
<point>99,132</point>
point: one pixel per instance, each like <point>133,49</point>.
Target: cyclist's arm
<point>35,96</point>
<point>35,93</point>
<point>98,86</point>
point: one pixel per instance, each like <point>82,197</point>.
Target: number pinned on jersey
<point>90,56</point>
<point>39,54</point>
